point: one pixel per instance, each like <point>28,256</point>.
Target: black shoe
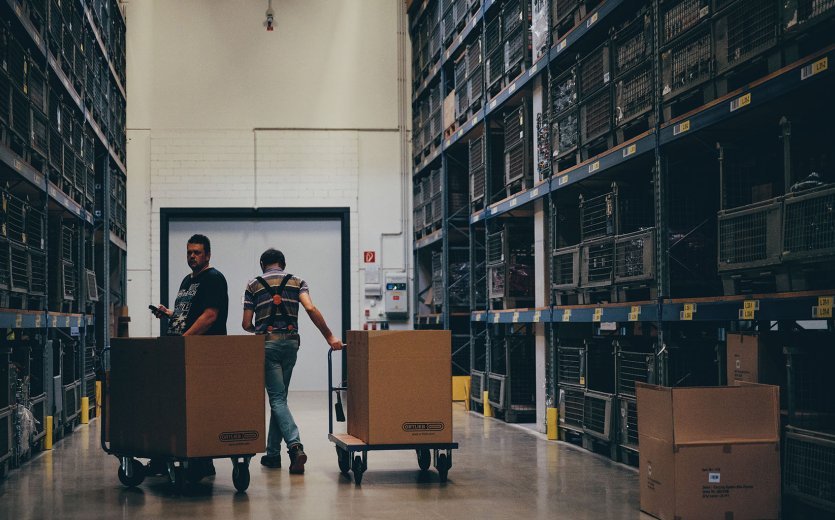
<point>210,468</point>
<point>297,459</point>
<point>271,461</point>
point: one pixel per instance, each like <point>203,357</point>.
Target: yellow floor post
<point>467,397</point>
<point>98,398</point>
<point>47,442</point>
<point>551,423</point>
<point>85,410</point>
<point>488,410</point>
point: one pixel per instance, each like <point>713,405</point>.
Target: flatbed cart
<point>179,470</point>
<point>352,453</point>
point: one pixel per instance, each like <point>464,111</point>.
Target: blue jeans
<point>280,358</point>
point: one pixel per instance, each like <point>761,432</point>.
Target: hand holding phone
<point>156,311</point>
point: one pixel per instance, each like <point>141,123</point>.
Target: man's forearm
<point>319,320</point>
<point>202,324</point>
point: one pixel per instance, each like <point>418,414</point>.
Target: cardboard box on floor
<point>751,361</point>
<point>197,396</point>
<point>709,452</point>
<point>400,386</point>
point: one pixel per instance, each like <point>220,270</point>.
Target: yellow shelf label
<point>630,150</point>
<point>747,314</point>
<point>515,317</point>
<point>18,321</point>
<point>593,167</point>
<point>690,307</point>
<point>740,102</point>
<point>566,315</point>
<point>38,321</point>
<point>681,127</point>
<point>815,68</point>
<point>686,315</point>
<point>598,314</point>
<point>753,305</point>
<point>825,301</point>
<point>821,312</point>
<point>582,380</point>
<point>633,316</point>
<point>563,180</point>
<point>537,316</point>
<point>591,20</point>
<point>562,45</point>
<point>496,317</point>
<point>478,317</point>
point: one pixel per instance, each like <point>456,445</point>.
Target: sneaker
<point>297,459</point>
<point>271,461</point>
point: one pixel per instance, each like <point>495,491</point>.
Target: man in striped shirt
<point>273,299</point>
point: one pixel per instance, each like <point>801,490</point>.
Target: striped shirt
<point>259,300</point>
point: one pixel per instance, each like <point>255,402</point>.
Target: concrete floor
<point>500,471</point>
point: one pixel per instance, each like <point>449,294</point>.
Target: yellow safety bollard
<point>551,415</point>
<point>467,397</point>
<point>98,398</point>
<point>488,410</point>
<point>85,410</point>
<point>47,442</point>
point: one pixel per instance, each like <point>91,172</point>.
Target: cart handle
<point>331,388</point>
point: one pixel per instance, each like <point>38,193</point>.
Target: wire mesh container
<point>5,98</point>
<point>16,219</point>
<point>36,81</point>
<point>565,268</point>
<point>633,43</point>
<point>448,25</point>
<point>628,436</point>
<point>563,91</point>
<point>514,15</point>
<point>20,123</point>
<point>40,133</point>
<point>37,261</point>
<point>495,248</point>
<point>561,9</point>
<point>572,407</point>
<point>596,116</point>
<point>35,227</point>
<point>477,169</point>
<point>809,224</point>
<point>19,267</point>
<point>598,215</point>
<point>800,13</point>
<point>634,95</point>
<point>750,236</point>
<point>571,363</point>
<point>477,385</point>
<point>809,466</point>
<point>462,100</point>
<point>597,415</point>
<point>517,51</point>
<point>687,63</point>
<point>679,16</point>
<point>635,363</point>
<point>494,69</point>
<point>565,133</point>
<point>5,264</point>
<point>597,268</point>
<point>17,62</point>
<point>600,364</point>
<point>746,29</point>
<point>594,71</point>
<point>635,256</point>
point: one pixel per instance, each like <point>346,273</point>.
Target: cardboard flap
<point>726,414</point>
<point>429,344</point>
<point>656,403</point>
<point>214,350</point>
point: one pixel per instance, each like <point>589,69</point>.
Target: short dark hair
<point>202,240</point>
<point>273,256</point>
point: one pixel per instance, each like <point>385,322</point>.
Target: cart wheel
<point>137,477</point>
<point>240,476</point>
<point>177,477</point>
<point>424,458</point>
<point>359,469</point>
<point>344,459</point>
<point>195,471</point>
<point>442,465</point>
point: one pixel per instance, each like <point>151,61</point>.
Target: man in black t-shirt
<point>202,302</point>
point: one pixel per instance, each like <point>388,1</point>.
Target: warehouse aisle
<point>499,472</point>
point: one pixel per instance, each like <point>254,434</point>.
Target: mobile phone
<point>155,311</point>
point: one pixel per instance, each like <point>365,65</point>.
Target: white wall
<point>222,113</point>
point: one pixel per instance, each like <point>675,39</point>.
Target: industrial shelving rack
<point>62,175</point>
<point>655,96</point>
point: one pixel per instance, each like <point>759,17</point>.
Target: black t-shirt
<point>207,290</point>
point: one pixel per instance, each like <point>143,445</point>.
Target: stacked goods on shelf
<point>565,118</point>
<point>462,99</point>
<point>595,75</point>
<point>65,279</point>
<point>118,204</point>
<point>634,80</point>
<point>22,250</point>
<point>475,77</point>
<point>456,285</point>
<point>493,56</point>
<point>477,172</point>
<point>540,29</point>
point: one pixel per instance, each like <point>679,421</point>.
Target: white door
<point>312,249</point>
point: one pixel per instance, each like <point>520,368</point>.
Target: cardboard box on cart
<point>400,386</point>
<point>709,452</point>
<point>197,396</point>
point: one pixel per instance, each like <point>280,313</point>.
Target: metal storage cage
<point>494,61</point>
<point>620,211</point>
<point>565,134</point>
<point>6,438</point>
<point>799,14</point>
<point>563,13</point>
<point>563,89</point>
<point>679,16</point>
<point>517,153</point>
<point>809,467</point>
<point>511,382</point>
<point>634,95</point>
<point>750,236</point>
<point>686,63</point>
<point>540,28</point>
<point>20,123</point>
<point>572,408</point>
<point>37,87</point>
<point>746,29</point>
<point>510,267</point>
<point>809,224</point>
<point>517,52</point>
<point>477,171</point>
<point>542,138</point>
<point>462,100</point>
<point>635,357</point>
<point>596,116</point>
<point>597,257</point>
<point>70,380</point>
<point>448,21</point>
<point>598,414</point>
<point>632,44</point>
<point>571,362</point>
<point>565,267</point>
<point>458,278</point>
<point>594,71</point>
<point>635,256</point>
<point>475,81</point>
<point>628,424</point>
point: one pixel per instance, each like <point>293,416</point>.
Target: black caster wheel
<point>138,474</point>
<point>177,477</point>
<point>442,465</point>
<point>358,469</point>
<point>424,458</point>
<point>344,459</point>
<point>240,476</point>
<point>195,471</point>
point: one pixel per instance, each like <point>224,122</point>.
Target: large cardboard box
<point>751,361</point>
<point>400,386</point>
<point>709,453</point>
<point>196,396</point>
